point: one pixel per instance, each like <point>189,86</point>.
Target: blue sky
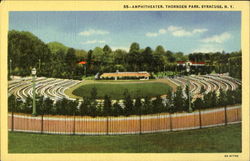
<point>185,31</point>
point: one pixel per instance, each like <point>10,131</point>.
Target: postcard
<point>127,80</point>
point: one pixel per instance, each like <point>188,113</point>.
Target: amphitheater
<point>110,125</point>
<point>55,88</point>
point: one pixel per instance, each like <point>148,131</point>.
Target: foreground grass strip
<point>216,139</point>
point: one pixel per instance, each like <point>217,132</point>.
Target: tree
<point>119,57</point>
<point>157,105</point>
<point>147,59</point>
<point>159,50</point>
<point>134,47</point>
<point>107,57</point>
<point>159,59</point>
<point>214,99</point>
<point>27,106</point>
<point>107,107</point>
<point>71,61</point>
<point>93,93</point>
<point>238,95</point>
<point>230,97</point>
<point>40,105</point>
<point>133,58</point>
<point>89,60</point>
<point>138,106</point>
<point>12,104</point>
<point>85,107</point>
<point>23,46</point>
<point>198,104</point>
<point>48,106</point>
<point>61,107</point>
<point>98,55</point>
<point>107,50</point>
<point>210,99</point>
<point>72,107</point>
<point>93,109</point>
<point>179,101</point>
<point>169,54</point>
<point>169,103</point>
<point>117,109</point>
<point>128,103</point>
<point>146,106</point>
<point>222,100</point>
<point>56,47</point>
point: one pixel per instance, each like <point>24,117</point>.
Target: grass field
<point>116,90</point>
<point>209,140</point>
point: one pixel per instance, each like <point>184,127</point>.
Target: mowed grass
<point>209,140</point>
<point>116,90</point>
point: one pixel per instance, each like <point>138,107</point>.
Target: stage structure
<point>196,67</point>
<point>126,75</point>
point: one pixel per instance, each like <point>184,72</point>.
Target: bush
<point>90,107</point>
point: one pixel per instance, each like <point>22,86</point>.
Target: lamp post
<point>85,70</point>
<point>189,97</point>
<point>33,72</point>
<point>10,68</point>
<point>39,64</point>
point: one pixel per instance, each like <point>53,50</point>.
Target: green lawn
<point>116,90</point>
<point>216,139</point>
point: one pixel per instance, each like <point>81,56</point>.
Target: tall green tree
<point>23,46</point>
<point>128,103</point>
<point>138,106</point>
<point>71,62</point>
<point>147,106</point>
<point>179,101</point>
<point>12,104</point>
<point>107,106</point>
<point>157,105</point>
<point>117,109</point>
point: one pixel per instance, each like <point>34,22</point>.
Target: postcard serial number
<point>233,155</point>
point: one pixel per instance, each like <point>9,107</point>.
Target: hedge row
<point>174,102</point>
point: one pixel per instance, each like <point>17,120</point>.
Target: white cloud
<point>162,31</point>
<point>174,28</point>
<point>93,42</point>
<point>207,48</point>
<point>120,47</point>
<point>176,31</point>
<point>152,34</point>
<point>218,38</point>
<point>93,32</point>
<point>199,30</point>
<point>180,31</point>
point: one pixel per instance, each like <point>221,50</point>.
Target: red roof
<point>82,62</point>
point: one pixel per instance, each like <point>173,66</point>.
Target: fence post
<point>170,117</point>
<point>42,124</point>
<point>140,123</point>
<point>200,118</point>
<point>74,126</point>
<point>107,125</point>
<point>225,109</point>
<point>12,121</point>
<point>237,114</point>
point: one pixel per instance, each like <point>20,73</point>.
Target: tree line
<point>174,102</point>
<point>56,60</point>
